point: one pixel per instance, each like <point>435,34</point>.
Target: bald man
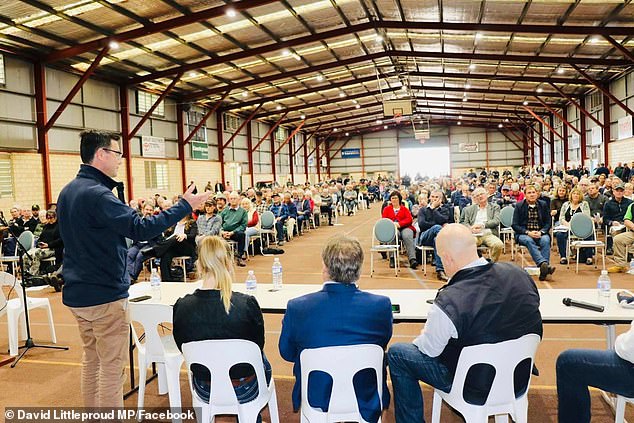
<point>482,303</point>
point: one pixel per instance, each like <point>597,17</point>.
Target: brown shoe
<point>241,263</point>
<point>617,269</point>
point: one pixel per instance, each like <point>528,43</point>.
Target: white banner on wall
<point>468,147</point>
<point>597,136</point>
<point>152,146</point>
<point>625,127</point>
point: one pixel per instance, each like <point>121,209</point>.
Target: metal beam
<point>307,139</point>
<point>584,133</point>
<point>604,90</point>
<point>250,154</point>
<point>221,151</point>
<point>270,131</point>
<point>180,129</point>
<point>73,91</point>
<point>289,137</point>
<point>472,101</point>
<point>606,129</point>
<point>147,114</point>
<point>543,122</point>
<point>339,149</point>
<point>555,113</point>
<point>145,30</point>
<point>533,131</point>
<point>482,91</point>
<point>125,139</point>
<point>42,133</point>
<point>505,136</point>
<point>242,125</point>
<point>577,105</point>
<point>564,146</point>
<point>204,118</point>
<point>628,54</point>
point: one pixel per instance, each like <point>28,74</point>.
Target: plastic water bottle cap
<point>604,272</point>
<point>251,272</point>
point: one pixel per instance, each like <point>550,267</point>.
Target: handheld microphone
<point>582,304</point>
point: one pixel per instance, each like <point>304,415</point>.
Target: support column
<point>221,150</point>
<point>305,147</point>
<point>362,158</point>
<point>180,131</point>
<point>272,138</point>
<point>250,154</point>
<point>606,128</point>
<point>125,138</point>
<point>532,148</point>
<point>327,153</point>
<point>290,159</point>
<point>541,144</point>
<point>564,113</point>
<point>486,148</point>
<point>552,142</point>
<point>317,159</point>
<point>584,131</point>
<point>42,134</point>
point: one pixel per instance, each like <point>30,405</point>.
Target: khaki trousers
<point>105,334</point>
<point>494,243</point>
<point>621,241</point>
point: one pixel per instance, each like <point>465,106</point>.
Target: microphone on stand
<point>582,304</point>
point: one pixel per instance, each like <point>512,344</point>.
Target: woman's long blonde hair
<point>214,261</point>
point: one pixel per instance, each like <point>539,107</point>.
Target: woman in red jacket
<point>402,218</point>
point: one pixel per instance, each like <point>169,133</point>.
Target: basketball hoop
<point>398,117</point>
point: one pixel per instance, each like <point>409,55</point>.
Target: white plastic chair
<point>620,408</point>
<point>504,357</point>
<point>157,349</point>
<point>27,240</point>
<point>424,249</point>
<point>506,231</point>
<point>582,227</point>
<point>14,309</point>
<point>219,356</point>
<point>341,363</point>
<point>181,262</point>
<point>384,240</point>
<point>361,204</point>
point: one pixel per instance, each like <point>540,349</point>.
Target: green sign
<point>200,150</point>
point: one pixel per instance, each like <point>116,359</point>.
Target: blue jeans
<point>428,239</point>
<point>538,249</point>
<point>562,240</point>
<point>407,366</point>
<point>578,369</point>
<point>245,392</point>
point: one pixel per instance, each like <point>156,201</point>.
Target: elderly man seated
<point>432,216</point>
<point>614,213</point>
<point>234,224</point>
<point>531,223</point>
<point>482,303</point>
<point>483,219</point>
<point>622,241</point>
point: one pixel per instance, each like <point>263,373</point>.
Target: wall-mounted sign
<point>152,146</point>
<point>350,153</point>
<point>468,147</point>
<point>200,150</point>
<point>625,127</point>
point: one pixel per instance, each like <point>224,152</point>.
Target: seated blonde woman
<point>215,312</point>
<point>253,222</point>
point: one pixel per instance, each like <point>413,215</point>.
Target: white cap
<point>604,272</point>
<point>251,272</point>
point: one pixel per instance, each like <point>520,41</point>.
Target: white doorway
<point>424,161</point>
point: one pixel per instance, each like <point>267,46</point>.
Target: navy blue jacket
<point>94,225</point>
<point>339,314</point>
<point>520,218</point>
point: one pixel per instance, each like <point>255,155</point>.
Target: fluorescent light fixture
<point>286,52</point>
<point>231,12</point>
<point>560,70</point>
<point>478,36</point>
<point>500,125</point>
<point>193,74</point>
<point>113,45</point>
<point>342,95</point>
<point>384,126</point>
<point>354,101</point>
<point>506,120</point>
<point>347,134</point>
<point>334,130</point>
<point>302,117</point>
<point>379,121</point>
<point>320,78</point>
<point>464,99</point>
<point>379,38</point>
<point>540,90</point>
<point>525,103</point>
<point>245,94</point>
<point>460,117</point>
<point>357,106</point>
<point>459,123</point>
<point>472,66</point>
<point>278,107</point>
<point>297,57</point>
<point>467,86</point>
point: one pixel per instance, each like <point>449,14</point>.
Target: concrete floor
<point>51,378</point>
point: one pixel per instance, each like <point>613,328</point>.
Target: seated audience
<point>30,221</point>
<point>281,216</point>
<point>622,241</point>
<point>253,220</point>
<point>614,212</point>
<point>135,256</point>
<point>209,223</point>
<point>482,303</point>
<point>327,205</point>
<point>291,212</point>
<point>402,218</point>
<point>339,314</point>
<point>431,218</point>
<point>531,223</point>
<point>561,196</point>
<point>49,244</point>
<point>516,193</point>
<point>569,209</point>
<point>180,240</point>
<point>608,370</point>
<point>505,197</point>
<point>215,312</point>
<point>234,225</point>
<point>483,219</point>
<point>350,199</point>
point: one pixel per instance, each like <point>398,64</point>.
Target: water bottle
<point>604,284</point>
<point>277,274</point>
<point>251,283</point>
<point>155,284</point>
<point>631,271</point>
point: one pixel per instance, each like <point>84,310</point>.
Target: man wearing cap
<point>614,213</point>
<point>506,199</point>
<point>221,201</point>
<point>35,209</point>
<point>621,242</point>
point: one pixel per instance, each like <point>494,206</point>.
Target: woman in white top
<point>609,370</point>
<point>253,220</point>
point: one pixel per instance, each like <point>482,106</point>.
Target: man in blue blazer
<point>531,223</point>
<point>339,314</point>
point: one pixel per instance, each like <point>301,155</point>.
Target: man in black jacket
<point>94,225</point>
<point>432,217</point>
<point>531,223</point>
<point>482,303</point>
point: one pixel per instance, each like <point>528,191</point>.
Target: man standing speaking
<point>94,225</point>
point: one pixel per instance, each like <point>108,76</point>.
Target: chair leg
<point>273,411</point>
<point>502,418</point>
<point>620,409</point>
<point>12,321</point>
<point>436,408</point>
<point>371,263</point>
<point>51,324</point>
<point>172,370</point>
<point>142,377</point>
